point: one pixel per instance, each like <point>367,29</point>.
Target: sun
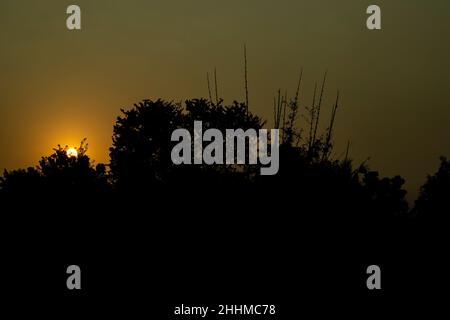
<point>72,153</point>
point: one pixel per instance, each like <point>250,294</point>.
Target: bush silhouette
<point>140,155</point>
<point>58,173</point>
<point>309,176</point>
<point>433,202</point>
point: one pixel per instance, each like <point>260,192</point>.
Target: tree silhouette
<point>385,195</point>
<point>140,155</point>
<point>21,181</point>
<point>58,173</point>
<point>433,202</point>
<point>309,176</point>
<point>323,184</point>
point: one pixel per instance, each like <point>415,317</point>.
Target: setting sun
<point>72,152</point>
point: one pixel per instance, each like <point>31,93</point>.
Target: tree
<point>21,181</point>
<point>433,201</point>
<point>58,173</point>
<point>385,195</point>
<point>140,155</point>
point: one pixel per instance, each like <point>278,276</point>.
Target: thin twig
<point>312,113</point>
<point>215,82</point>
<point>346,152</point>
<point>298,86</point>
<point>284,106</point>
<point>209,87</point>
<point>275,112</point>
<point>246,79</point>
<point>333,116</point>
<point>319,106</point>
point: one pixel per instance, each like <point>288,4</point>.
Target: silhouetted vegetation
<point>433,202</point>
<point>58,173</point>
<point>140,155</point>
<point>309,175</point>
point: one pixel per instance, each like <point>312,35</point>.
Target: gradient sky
<point>59,86</point>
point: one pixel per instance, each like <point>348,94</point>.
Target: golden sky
<point>59,86</point>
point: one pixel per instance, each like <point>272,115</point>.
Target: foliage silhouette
<point>140,155</point>
<point>308,176</point>
<point>58,174</point>
<point>433,202</point>
<point>328,210</point>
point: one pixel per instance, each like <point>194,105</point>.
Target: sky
<point>59,86</point>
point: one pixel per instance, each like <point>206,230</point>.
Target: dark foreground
<point>144,255</point>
